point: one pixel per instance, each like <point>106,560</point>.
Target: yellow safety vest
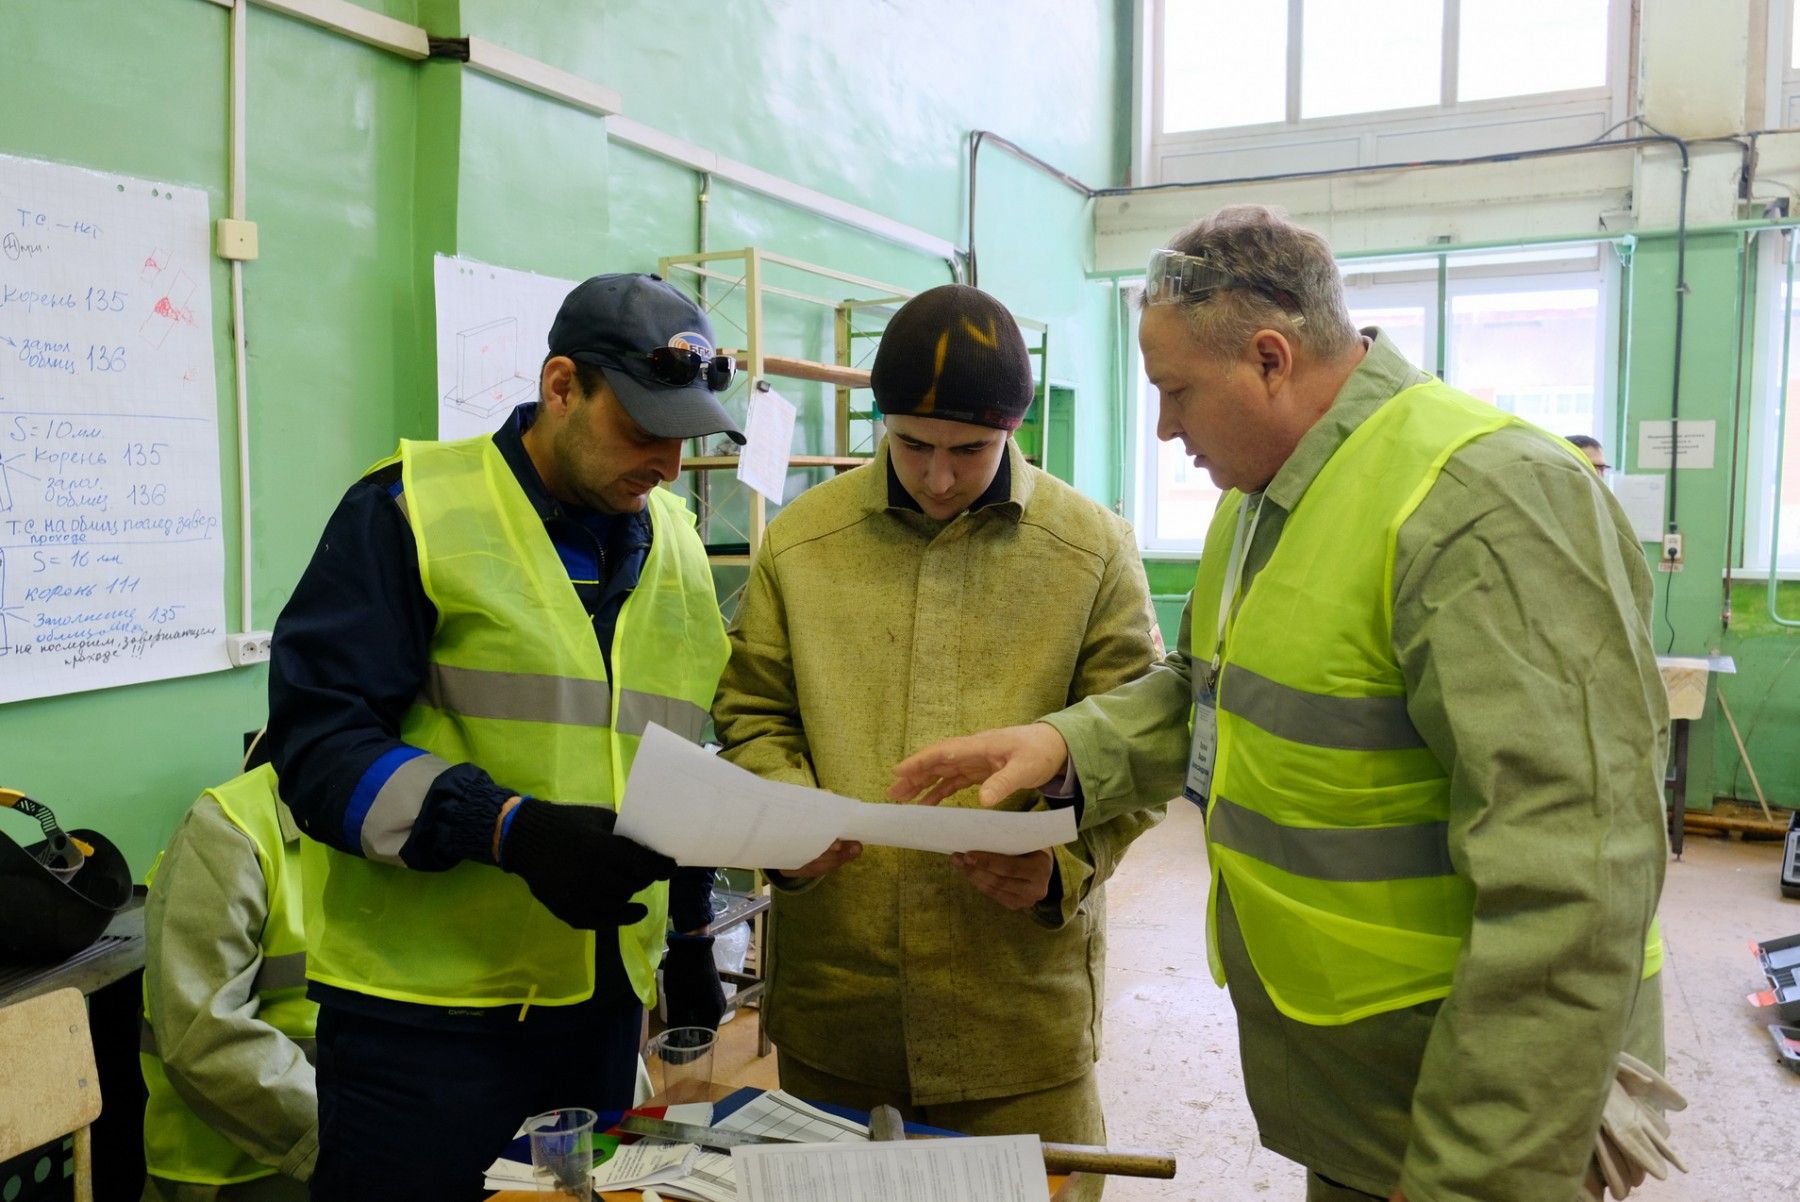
<point>178,1145</point>
<point>517,685</point>
<point>1327,816</point>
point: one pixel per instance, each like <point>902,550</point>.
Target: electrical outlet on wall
<point>250,647</point>
<point>1671,560</point>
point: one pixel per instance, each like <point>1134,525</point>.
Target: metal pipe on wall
<point>239,69</point>
<point>1781,416</point>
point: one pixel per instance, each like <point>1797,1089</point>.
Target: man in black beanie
<point>945,587</point>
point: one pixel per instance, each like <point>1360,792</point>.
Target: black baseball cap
<point>615,322</point>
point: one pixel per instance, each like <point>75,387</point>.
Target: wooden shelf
<point>807,369</point>
<point>715,463</point>
<point>729,561</point>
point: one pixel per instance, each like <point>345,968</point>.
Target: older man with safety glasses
<point>457,689</point>
<point>1416,697</point>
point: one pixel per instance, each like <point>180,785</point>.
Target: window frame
<point>1409,287</point>
<point>1781,102</point>
<point>1140,491</point>
<point>1481,126</point>
<point>1751,558</point>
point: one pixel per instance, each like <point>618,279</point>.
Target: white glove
<point>1633,1139</point>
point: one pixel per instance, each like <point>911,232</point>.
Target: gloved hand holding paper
<point>696,808</point>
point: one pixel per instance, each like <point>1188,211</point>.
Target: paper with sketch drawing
<point>695,808</point>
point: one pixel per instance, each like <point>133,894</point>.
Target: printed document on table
<point>698,809</point>
<point>780,1116</point>
<point>1001,1168</point>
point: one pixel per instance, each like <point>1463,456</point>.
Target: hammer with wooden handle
<point>885,1123</point>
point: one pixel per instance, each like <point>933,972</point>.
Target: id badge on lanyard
<point>1205,743</point>
<point>1204,746</point>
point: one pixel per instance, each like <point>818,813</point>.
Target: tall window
<point>1173,501</point>
<point>1772,501</point>
<point>1237,83</point>
<point>1529,331</point>
<point>1783,64</point>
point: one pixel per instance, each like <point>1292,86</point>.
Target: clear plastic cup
<point>681,1062</point>
<point>562,1153</point>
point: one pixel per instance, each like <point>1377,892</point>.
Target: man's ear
<point>1274,357</point>
<point>557,387</point>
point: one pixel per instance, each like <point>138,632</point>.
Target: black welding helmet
<point>57,894</point>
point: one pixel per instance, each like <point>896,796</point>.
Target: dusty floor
<point>1170,1077</point>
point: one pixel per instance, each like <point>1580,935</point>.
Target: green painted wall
<point>1763,695</point>
<point>362,166</point>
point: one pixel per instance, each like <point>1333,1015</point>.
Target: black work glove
<point>582,872</point>
<point>691,987</point>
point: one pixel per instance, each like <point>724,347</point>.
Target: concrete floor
<point>1170,1077</point>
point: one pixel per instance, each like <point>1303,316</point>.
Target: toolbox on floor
<point>1790,858</point>
<point>1780,959</point>
<point>1787,1045</point>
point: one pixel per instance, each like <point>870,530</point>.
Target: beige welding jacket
<point>868,630</point>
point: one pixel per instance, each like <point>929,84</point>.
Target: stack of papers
<point>684,1170</point>
<point>674,1170</point>
<point>513,1168</point>
<point>999,1168</point>
<point>711,1176</point>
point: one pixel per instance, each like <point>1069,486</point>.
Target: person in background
<point>946,586</point>
<point>1416,696</point>
<point>1591,448</point>
<point>457,688</point>
<point>227,1049</point>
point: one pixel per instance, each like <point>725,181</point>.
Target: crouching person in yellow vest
<point>457,688</point>
<point>1417,698</point>
<point>227,1042</point>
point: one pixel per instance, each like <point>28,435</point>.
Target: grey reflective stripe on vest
<point>389,822</point>
<point>520,696</point>
<point>280,972</point>
<point>1387,853</point>
<point>147,1040</point>
<point>638,710</point>
<point>1318,719</point>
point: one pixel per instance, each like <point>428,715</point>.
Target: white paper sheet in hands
<point>697,809</point>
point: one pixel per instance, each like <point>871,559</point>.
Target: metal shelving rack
<point>733,288</point>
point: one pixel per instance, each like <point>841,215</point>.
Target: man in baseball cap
<point>655,349</point>
<point>456,691</point>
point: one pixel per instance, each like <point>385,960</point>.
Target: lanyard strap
<point>1241,539</point>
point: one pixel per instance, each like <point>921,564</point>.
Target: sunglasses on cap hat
<point>678,367</point>
<point>1174,277</point>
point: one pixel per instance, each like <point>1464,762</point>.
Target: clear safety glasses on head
<point>1174,277</point>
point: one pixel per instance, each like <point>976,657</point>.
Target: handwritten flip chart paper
<point>768,435</point>
<point>111,559</point>
<point>493,331</point>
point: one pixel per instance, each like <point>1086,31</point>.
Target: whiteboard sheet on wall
<point>112,564</point>
<point>493,330</point>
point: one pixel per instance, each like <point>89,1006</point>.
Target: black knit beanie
<point>954,353</point>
